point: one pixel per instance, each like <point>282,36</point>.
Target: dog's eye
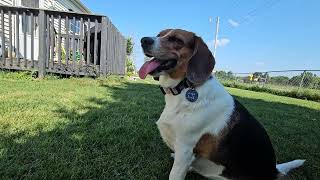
<point>174,39</point>
<point>158,35</point>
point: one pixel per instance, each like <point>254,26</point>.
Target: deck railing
<point>60,42</point>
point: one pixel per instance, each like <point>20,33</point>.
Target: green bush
<point>303,93</point>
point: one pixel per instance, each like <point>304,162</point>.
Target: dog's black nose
<point>147,41</point>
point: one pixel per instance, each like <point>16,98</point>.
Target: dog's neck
<point>211,91</point>
<point>166,81</point>
<point>183,84</point>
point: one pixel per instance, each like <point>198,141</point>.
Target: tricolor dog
<point>209,131</point>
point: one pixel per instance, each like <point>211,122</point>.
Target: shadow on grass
<point>117,139</point>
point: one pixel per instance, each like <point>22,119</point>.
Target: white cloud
<point>233,23</point>
<point>223,42</point>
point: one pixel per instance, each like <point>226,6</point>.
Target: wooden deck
<point>55,67</point>
<point>56,36</point>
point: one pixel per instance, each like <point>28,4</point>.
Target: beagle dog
<point>208,130</point>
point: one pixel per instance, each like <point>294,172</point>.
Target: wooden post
<point>59,42</point>
<point>42,44</point>
<point>24,29</point>
<point>67,41</point>
<point>103,50</point>
<point>10,38</point>
<point>81,41</point>
<point>32,40</point>
<point>17,39</point>
<point>88,41</point>
<point>95,43</point>
<point>3,39</point>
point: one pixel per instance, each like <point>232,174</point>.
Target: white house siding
<point>59,5</point>
<point>6,2</point>
<point>6,20</point>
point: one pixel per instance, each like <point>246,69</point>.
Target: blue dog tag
<point>192,95</point>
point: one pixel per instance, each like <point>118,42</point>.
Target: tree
<point>316,83</point>
<point>308,79</point>
<point>230,74</point>
<point>257,74</point>
<point>266,76</point>
<point>130,45</point>
<point>130,67</point>
<point>221,74</point>
<point>224,75</point>
<point>279,80</point>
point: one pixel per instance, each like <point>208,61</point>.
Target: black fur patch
<point>245,149</point>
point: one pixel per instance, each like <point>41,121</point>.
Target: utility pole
<point>216,37</point>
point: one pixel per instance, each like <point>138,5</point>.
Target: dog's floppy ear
<point>201,63</point>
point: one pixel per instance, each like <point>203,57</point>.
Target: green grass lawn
<point>90,129</point>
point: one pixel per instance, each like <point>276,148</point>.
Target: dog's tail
<point>284,168</point>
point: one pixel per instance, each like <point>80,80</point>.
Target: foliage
<point>304,93</point>
<point>257,74</point>
<point>22,75</point>
<point>315,83</point>
<point>77,55</point>
<point>130,45</point>
<point>279,80</point>
<point>130,67</point>
<point>224,75</point>
<point>308,79</point>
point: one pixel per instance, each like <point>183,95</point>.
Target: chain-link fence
<point>303,84</point>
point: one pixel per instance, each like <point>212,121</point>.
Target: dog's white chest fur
<point>185,122</point>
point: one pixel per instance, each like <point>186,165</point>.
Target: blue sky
<point>255,35</point>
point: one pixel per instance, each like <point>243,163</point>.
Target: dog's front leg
<point>182,161</point>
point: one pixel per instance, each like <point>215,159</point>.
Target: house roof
<point>81,6</point>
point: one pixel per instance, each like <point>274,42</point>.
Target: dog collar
<point>184,84</point>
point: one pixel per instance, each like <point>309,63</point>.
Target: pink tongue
<point>148,67</point>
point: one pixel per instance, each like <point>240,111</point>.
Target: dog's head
<point>178,53</point>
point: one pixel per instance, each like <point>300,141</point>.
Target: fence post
<point>103,50</point>
<point>302,79</point>
<point>42,44</point>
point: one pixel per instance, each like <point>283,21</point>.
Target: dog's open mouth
<point>155,66</point>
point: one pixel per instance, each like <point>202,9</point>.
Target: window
<point>30,3</point>
<point>26,22</point>
<point>75,26</point>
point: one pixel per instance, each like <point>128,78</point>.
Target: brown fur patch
<point>179,72</point>
<point>206,146</point>
<point>183,52</point>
